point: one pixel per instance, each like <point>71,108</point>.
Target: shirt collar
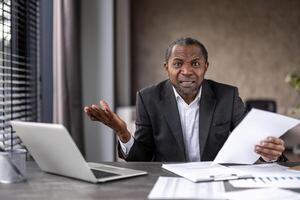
<point>197,98</point>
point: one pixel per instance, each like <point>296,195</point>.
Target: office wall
<point>122,53</point>
<point>97,74</point>
<point>252,44</point>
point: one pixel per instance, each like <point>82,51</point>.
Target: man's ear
<point>166,66</point>
<point>206,66</point>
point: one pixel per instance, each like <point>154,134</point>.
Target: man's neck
<point>187,98</point>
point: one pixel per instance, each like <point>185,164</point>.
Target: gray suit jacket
<point>158,135</point>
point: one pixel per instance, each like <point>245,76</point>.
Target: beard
<point>184,92</point>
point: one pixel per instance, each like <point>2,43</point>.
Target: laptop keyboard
<point>102,174</point>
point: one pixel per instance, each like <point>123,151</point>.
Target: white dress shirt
<point>189,118</point>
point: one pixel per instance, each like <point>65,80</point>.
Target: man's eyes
<point>177,64</point>
<point>196,64</point>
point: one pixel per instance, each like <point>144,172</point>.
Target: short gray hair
<point>186,41</point>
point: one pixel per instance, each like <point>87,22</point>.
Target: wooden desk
<point>40,185</point>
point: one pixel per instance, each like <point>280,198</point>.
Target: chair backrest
<point>263,104</point>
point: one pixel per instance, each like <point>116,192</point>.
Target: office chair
<point>263,104</point>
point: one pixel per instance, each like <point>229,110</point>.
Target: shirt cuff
<point>126,146</point>
<point>267,161</point>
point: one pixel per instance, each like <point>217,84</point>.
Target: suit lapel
<point>171,113</point>
<point>206,111</point>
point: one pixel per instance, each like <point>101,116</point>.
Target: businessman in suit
<point>185,118</point>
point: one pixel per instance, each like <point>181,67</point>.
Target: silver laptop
<point>54,151</point>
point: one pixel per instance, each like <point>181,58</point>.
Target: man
<point>185,118</point>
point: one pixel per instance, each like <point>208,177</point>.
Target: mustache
<point>186,80</point>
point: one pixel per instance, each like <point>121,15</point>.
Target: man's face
<point>186,68</point>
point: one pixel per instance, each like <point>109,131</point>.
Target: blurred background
<point>108,49</point>
<point>253,45</point>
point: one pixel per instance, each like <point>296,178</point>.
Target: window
<point>19,66</point>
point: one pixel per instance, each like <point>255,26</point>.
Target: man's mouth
<point>187,83</point>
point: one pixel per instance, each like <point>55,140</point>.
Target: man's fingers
<point>274,140</point>
<point>102,113</point>
<point>266,151</point>
<point>106,109</point>
<point>96,114</point>
<point>107,116</point>
<point>272,146</point>
<point>104,105</point>
<point>87,110</point>
<point>109,113</point>
<point>268,157</point>
<point>270,149</point>
<point>91,116</point>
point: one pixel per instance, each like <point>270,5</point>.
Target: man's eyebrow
<point>177,59</point>
<point>198,59</point>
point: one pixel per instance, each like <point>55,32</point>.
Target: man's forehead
<point>186,51</point>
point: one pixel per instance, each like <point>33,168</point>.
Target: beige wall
<point>252,44</point>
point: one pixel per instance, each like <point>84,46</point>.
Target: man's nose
<point>186,69</point>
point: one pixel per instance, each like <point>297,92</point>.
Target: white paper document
<point>266,169</point>
<point>268,175</point>
<point>180,188</point>
<point>262,194</point>
<point>205,171</point>
<point>263,182</point>
<point>255,127</point>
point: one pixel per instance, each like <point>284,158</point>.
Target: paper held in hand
<point>255,127</point>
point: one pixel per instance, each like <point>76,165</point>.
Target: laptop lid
<point>55,151</point>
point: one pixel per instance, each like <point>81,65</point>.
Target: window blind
<point>19,69</point>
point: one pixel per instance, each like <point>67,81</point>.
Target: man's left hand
<point>270,149</point>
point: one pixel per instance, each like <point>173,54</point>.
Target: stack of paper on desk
<point>205,171</point>
<point>180,188</point>
<point>261,194</point>
<point>255,127</point>
<point>268,175</point>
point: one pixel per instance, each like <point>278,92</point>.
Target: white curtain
<point>67,106</point>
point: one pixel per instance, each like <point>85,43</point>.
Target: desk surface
<point>40,185</point>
